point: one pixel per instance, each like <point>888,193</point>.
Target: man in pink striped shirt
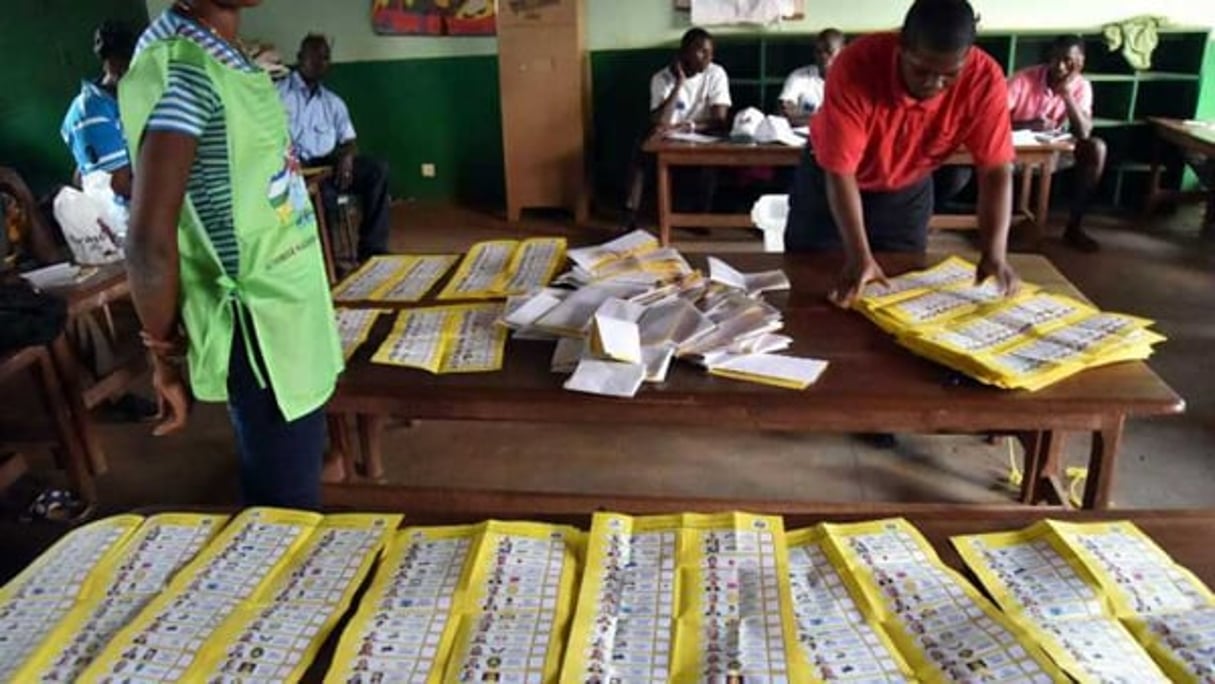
<point>1053,97</point>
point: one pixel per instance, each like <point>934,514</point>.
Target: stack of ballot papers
<point>629,307</point>
<point>1028,341</point>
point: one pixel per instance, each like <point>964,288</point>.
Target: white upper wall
<point>615,24</point>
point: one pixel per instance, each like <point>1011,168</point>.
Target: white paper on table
<point>689,137</point>
<point>63,274</point>
<point>791,369</point>
<point>751,283</point>
<point>657,362</point>
<point>574,313</point>
<point>803,131</point>
<point>1024,138</point>
<point>674,321</point>
<point>590,258</point>
<point>567,353</point>
<point>766,343</point>
<point>523,311</point>
<point>608,378</point>
<point>615,334</point>
<point>729,332</point>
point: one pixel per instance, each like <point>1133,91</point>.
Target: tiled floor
<point>1160,270</point>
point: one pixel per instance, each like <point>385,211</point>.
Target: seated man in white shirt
<point>323,135</point>
<point>803,92</point>
<point>689,95</point>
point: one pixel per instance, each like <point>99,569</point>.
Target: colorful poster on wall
<point>434,17</point>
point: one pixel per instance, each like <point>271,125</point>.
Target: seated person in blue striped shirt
<point>323,135</point>
<point>93,130</point>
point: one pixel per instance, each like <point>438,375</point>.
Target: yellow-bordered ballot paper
<point>840,638</point>
<point>463,338</point>
<point>1038,579</point>
<point>1169,610</point>
<point>118,589</point>
<point>1028,341</point>
<point>476,603</point>
<point>685,598</point>
<point>402,278</point>
<point>36,601</point>
<point>256,603</point>
<point>354,325</point>
<point>499,268</point>
<point>941,625</point>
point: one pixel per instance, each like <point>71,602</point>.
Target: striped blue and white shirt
<point>191,106</point>
<point>92,130</point>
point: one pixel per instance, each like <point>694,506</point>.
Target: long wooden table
<point>1194,138</point>
<point>873,385</point>
<point>1041,158</point>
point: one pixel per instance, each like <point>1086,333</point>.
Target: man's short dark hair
<point>693,36</point>
<point>1064,43</point>
<point>828,35</point>
<point>315,39</point>
<point>940,25</point>
<point>113,40</point>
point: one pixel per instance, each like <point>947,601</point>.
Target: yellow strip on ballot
<point>1169,610</point>
<point>404,628</point>
<point>462,338</point>
<point>354,325</point>
<point>500,268</point>
<point>685,598</point>
<point>119,589</point>
<point>839,639</point>
<point>394,278</point>
<point>257,602</point>
<point>1039,581</point>
<point>36,601</point>
<point>940,624</point>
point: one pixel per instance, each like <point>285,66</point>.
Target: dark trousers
<point>895,221</point>
<point>370,185</point>
<point>280,460</point>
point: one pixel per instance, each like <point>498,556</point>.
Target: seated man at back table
<point>689,95</point>
<point>323,135</point>
<point>803,92</point>
<point>897,106</point>
<point>1054,96</point>
<point>92,128</point>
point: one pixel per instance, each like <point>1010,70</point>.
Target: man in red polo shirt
<point>897,106</point>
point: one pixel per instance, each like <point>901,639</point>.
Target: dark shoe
<point>878,440</point>
<point>1081,241</point>
<point>133,408</point>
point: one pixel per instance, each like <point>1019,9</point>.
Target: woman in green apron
<point>223,253</point>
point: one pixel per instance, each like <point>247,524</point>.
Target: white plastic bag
<point>83,220</point>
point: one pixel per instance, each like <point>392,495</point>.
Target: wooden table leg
<point>68,368</point>
<point>1046,173</point>
<point>371,433</point>
<point>1153,196</point>
<point>76,459</point>
<point>1042,480</point>
<point>1104,458</point>
<point>664,200</point>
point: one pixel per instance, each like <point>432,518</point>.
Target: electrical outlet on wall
<point>428,170</point>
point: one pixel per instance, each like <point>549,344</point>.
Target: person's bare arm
<point>1080,122</point>
<point>860,268</point>
<point>345,154</point>
<point>121,182</point>
<point>662,113</point>
<point>717,123</point>
<point>793,113</point>
<point>995,217</point>
<point>153,265</point>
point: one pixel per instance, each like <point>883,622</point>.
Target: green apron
<point>280,286</point>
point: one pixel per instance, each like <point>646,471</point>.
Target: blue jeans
<point>280,460</point>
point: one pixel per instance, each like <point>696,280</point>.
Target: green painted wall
<point>48,48</point>
<point>440,111</point>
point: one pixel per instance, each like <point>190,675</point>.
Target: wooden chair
<point>65,441</point>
